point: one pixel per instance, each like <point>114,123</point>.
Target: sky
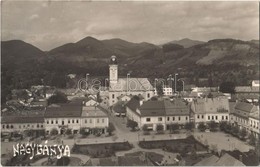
<point>49,24</point>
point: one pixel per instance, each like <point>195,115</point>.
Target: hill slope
<point>186,42</point>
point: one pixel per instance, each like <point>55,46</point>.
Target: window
<point>226,117</point>
<point>42,126</point>
<point>12,126</point>
<point>20,127</point>
<point>7,126</point>
<point>69,121</point>
<point>173,118</point>
<point>32,126</point>
<point>160,119</point>
<point>148,119</point>
<point>103,120</point>
<point>3,126</point>
<point>212,117</point>
<point>198,116</point>
<point>47,122</point>
<point>23,126</point>
<point>186,118</point>
<point>73,121</point>
<point>179,118</point>
<point>168,118</point>
<point>56,121</point>
<point>222,117</point>
<point>90,120</point>
<point>208,117</point>
<point>202,116</point>
<point>148,95</point>
<point>28,125</point>
<point>86,121</point>
<point>77,121</point>
<point>216,117</point>
<point>113,96</point>
<point>37,126</point>
<point>97,120</point>
<point>51,121</point>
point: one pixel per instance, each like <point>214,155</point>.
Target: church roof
<point>131,84</point>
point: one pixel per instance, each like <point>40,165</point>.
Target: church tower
<point>113,70</point>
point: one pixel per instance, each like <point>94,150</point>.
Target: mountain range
<point>221,59</point>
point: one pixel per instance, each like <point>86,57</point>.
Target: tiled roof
<point>133,104</point>
<point>249,158</point>
<point>130,161</point>
<point>64,110</point>
<point>176,107</point>
<point>22,119</point>
<point>244,106</point>
<point>135,84</point>
<point>119,107</point>
<point>209,161</point>
<point>153,108</point>
<point>225,160</point>
<point>211,105</point>
<point>92,111</point>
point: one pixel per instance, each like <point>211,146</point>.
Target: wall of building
<point>20,127</point>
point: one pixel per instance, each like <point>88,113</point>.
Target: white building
<point>75,115</point>
<point>255,83</point>
<point>210,109</point>
<point>246,116</point>
<point>22,123</point>
<point>126,86</point>
<point>167,91</point>
<point>153,113</point>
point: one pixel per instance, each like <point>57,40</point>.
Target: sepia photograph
<point>130,83</point>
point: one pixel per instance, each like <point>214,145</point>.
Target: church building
<point>126,86</point>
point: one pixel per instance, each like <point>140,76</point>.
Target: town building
<point>22,123</point>
<point>246,116</point>
<point>94,117</point>
<point>126,86</point>
<point>210,109</point>
<point>62,117</point>
<point>153,113</point>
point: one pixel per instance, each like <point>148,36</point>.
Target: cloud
<point>33,17</point>
<point>54,23</point>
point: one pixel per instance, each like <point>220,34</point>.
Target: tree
<point>159,89</point>
<point>174,127</point>
<point>68,131</point>
<point>227,87</point>
<point>145,128</point>
<point>235,130</point>
<point>223,126</point>
<point>110,128</point>
<point>83,131</point>
<point>242,133</point>
<point>202,127</point>
<point>59,97</point>
<point>169,47</point>
<point>252,139</point>
<point>154,98</point>
<point>132,124</point>
<point>189,125</point>
<point>54,132</point>
<point>212,126</point>
<point>159,128</point>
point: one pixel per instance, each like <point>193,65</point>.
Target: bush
<point>110,128</point>
<point>174,127</point>
<point>68,131</point>
<point>132,124</point>
<point>54,132</point>
<point>159,128</point>
<point>212,126</point>
<point>252,139</point>
<point>189,126</point>
<point>202,127</point>
<point>63,161</point>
